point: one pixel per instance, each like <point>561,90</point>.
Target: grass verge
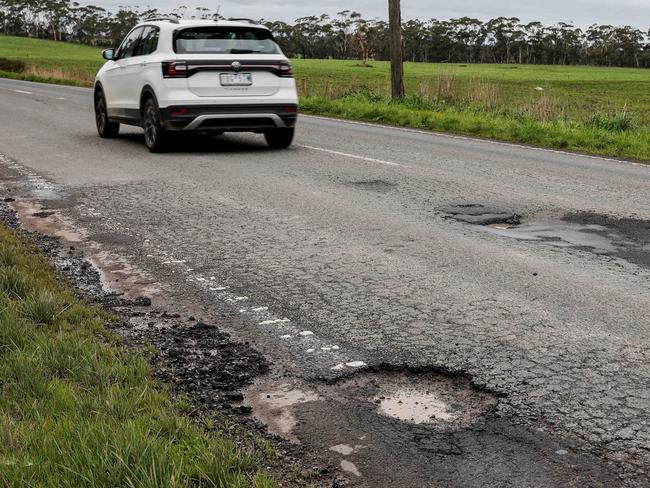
<point>600,136</point>
<point>76,410</point>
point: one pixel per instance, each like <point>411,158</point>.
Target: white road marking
<point>355,364</point>
<point>353,156</point>
<point>274,321</point>
<point>306,333</point>
<point>23,92</point>
<point>434,133</point>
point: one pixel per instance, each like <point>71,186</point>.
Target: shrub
<point>620,122</point>
<point>12,65</point>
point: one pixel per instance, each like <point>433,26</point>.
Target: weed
<point>619,122</point>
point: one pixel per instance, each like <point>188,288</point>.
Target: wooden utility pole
<point>396,48</point>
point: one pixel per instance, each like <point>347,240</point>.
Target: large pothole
<point>416,398</point>
<point>479,214</point>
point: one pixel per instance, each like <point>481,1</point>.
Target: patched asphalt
<point>349,243</point>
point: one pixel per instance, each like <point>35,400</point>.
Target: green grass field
<point>595,110</point>
<point>76,410</point>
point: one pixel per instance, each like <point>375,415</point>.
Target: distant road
<point>343,234</point>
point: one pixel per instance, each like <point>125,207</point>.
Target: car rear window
<point>224,40</point>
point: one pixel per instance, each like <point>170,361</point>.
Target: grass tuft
<point>15,283</point>
<point>42,307</point>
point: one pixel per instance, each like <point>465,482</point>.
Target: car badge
<point>236,65</point>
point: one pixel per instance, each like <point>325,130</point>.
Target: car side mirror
<point>108,54</point>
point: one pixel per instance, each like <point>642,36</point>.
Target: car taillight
<point>286,70</point>
<point>174,69</point>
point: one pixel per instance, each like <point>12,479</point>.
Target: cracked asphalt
<point>343,236</point>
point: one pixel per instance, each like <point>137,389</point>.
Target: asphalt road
<point>343,235</point>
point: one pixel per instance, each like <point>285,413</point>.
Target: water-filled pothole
<point>561,234</point>
<point>422,398</point>
<point>417,398</point>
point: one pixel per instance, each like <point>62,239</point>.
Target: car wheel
<point>155,137</point>
<point>105,128</point>
<point>279,138</point>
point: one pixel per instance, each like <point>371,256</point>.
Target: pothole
<point>423,398</point>
<point>417,398</point>
<point>562,234</point>
<point>479,214</point>
<point>374,185</point>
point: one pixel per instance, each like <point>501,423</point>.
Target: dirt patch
<point>479,214</point>
<point>197,358</point>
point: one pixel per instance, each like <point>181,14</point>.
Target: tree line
<point>348,35</point>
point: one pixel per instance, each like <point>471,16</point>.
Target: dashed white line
<point>23,92</point>
<point>274,321</point>
<point>355,364</point>
<point>353,156</point>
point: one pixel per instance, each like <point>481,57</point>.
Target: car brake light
<point>286,70</point>
<point>174,69</point>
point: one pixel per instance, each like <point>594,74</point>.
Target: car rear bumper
<point>228,117</point>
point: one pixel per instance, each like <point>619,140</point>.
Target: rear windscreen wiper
<point>244,51</point>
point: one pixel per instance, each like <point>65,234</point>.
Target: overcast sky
<point>581,12</point>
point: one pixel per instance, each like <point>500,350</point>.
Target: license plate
<point>236,79</point>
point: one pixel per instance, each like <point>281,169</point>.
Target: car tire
<point>155,137</point>
<point>105,127</point>
<point>279,138</point>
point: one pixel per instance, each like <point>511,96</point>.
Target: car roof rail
<point>241,19</point>
<point>173,20</point>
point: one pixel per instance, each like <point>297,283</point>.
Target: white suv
<point>207,76</point>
